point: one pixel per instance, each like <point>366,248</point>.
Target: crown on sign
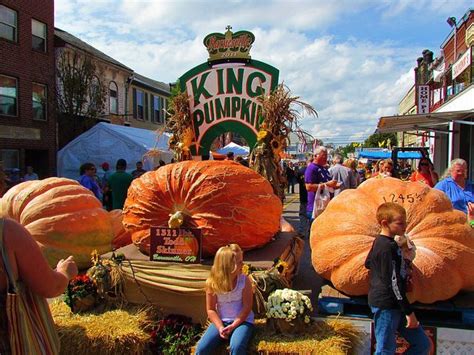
<point>229,47</point>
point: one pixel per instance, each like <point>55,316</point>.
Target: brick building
<point>444,98</point>
<point>27,85</point>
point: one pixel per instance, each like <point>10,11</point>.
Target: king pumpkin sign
<point>223,92</point>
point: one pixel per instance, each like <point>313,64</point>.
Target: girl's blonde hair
<point>220,279</point>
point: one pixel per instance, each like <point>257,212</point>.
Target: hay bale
<point>332,337</point>
<point>120,331</point>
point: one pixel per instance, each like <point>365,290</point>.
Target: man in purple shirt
<point>317,174</point>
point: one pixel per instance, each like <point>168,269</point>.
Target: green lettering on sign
<point>200,89</point>
<point>234,85</point>
<point>259,90</point>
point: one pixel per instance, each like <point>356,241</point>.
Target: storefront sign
<point>182,245</point>
<point>463,63</point>
<point>223,97</point>
<point>423,99</point>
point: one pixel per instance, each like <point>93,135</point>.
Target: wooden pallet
<point>457,312</point>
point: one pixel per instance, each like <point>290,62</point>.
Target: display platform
<point>179,288</point>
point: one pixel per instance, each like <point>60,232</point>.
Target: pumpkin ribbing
<point>64,218</point>
<point>227,201</point>
<point>342,235</point>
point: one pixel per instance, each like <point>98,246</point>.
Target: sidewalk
<point>306,278</point>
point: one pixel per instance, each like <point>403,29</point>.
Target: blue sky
<point>352,60</point>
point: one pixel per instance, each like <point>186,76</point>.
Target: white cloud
<point>350,81</point>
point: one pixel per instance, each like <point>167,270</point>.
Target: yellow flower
<point>282,264</point>
<point>246,269</point>
<point>261,134</point>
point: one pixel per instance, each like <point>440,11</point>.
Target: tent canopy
<point>235,148</point>
<point>388,154</point>
<point>107,142</point>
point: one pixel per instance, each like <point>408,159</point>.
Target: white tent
<point>107,142</point>
<point>235,148</point>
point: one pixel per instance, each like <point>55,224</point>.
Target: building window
<point>39,101</point>
<point>8,96</point>
<point>113,98</point>
<point>10,158</point>
<point>39,35</point>
<point>163,105</point>
<point>140,104</point>
<point>156,109</point>
<point>8,23</point>
<point>94,93</point>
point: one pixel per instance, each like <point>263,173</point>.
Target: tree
<point>381,140</point>
<point>349,148</point>
<point>80,95</point>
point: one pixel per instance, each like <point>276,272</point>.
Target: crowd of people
<point>11,177</point>
<point>338,174</point>
<point>111,188</point>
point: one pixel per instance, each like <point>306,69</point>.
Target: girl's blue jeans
<point>390,321</point>
<point>239,339</point>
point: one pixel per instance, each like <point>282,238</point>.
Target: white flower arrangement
<point>288,304</point>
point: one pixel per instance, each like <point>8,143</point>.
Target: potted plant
<point>288,311</point>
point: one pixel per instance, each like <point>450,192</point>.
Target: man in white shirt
<point>340,173</point>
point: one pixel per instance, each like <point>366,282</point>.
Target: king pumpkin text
<point>242,106</point>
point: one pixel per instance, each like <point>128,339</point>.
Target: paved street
<point>306,278</point>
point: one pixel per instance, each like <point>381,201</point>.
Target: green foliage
<point>175,334</point>
<point>381,140</point>
<point>349,148</point>
<point>80,94</point>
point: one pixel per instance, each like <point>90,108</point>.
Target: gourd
<point>230,203</point>
<point>62,216</point>
<point>342,236</point>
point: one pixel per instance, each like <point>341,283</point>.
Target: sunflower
<point>276,145</point>
<point>261,135</point>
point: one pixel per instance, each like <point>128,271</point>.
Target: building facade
<point>27,86</point>
<point>452,90</point>
<point>147,102</point>
<point>407,107</point>
<point>444,98</point>
<point>111,78</point>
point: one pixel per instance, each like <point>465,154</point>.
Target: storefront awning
<point>435,121</point>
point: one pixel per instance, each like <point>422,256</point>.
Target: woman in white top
<point>229,299</point>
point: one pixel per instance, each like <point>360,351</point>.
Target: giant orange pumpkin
<point>227,201</point>
<point>63,217</point>
<point>342,236</point>
<point>121,236</point>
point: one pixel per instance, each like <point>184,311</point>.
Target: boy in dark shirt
<point>387,294</point>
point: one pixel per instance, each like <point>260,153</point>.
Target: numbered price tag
<point>402,198</point>
<point>181,245</point>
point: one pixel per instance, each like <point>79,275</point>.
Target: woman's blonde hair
<point>220,279</point>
